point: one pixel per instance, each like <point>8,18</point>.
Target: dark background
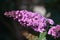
<point>8,31</point>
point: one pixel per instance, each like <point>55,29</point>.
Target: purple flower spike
<point>33,20</point>
<point>55,31</point>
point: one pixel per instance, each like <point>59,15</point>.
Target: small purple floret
<point>55,31</point>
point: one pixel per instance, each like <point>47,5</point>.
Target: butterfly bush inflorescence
<point>30,19</point>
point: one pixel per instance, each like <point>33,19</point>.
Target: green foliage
<point>42,36</point>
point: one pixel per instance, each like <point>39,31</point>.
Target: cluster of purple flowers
<point>55,31</point>
<point>30,19</point>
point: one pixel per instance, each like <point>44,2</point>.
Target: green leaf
<point>42,36</point>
